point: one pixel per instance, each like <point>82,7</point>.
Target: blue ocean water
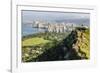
<point>28,29</point>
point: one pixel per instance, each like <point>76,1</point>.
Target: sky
<point>30,16</point>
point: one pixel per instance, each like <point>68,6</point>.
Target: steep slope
<point>78,44</point>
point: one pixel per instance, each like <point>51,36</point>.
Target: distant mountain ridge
<point>86,22</point>
<point>77,22</point>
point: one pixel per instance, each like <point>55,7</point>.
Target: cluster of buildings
<point>53,27</point>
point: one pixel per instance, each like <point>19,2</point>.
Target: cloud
<point>29,16</point>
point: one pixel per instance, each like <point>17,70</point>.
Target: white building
<point>54,27</point>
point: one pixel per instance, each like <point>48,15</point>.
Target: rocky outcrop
<point>78,44</point>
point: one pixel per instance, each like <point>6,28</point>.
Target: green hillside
<point>56,46</point>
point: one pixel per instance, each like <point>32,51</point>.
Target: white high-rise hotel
<point>54,27</point>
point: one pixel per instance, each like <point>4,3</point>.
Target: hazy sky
<point>29,16</point>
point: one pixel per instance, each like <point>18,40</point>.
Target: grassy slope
<point>51,49</point>
<point>35,45</point>
<point>35,41</point>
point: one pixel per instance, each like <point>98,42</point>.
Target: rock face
<point>74,47</point>
<point>78,44</point>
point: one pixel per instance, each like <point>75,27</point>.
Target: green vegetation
<point>51,46</point>
<point>35,45</point>
<point>34,41</point>
<point>79,42</point>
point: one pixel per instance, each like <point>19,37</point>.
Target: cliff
<point>78,44</point>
